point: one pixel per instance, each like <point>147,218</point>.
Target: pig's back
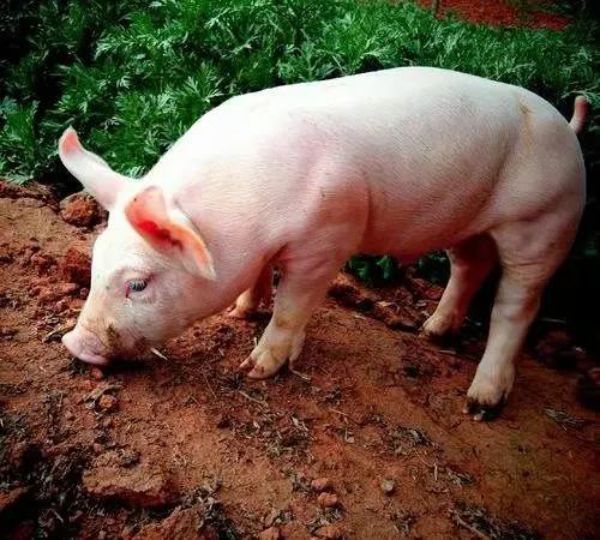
<point>430,146</point>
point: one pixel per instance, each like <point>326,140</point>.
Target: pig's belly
<point>407,233</point>
<point>407,250</point>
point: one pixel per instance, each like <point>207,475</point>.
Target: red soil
<point>534,14</point>
<point>373,445</point>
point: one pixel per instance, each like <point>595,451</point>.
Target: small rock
<point>97,373</point>
<point>328,500</point>
<point>98,448</point>
<point>387,486</point>
<point>108,403</point>
<point>321,484</point>
<point>81,210</point>
<point>330,531</point>
<point>69,415</point>
<point>272,533</point>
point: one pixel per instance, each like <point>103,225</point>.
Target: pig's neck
<point>229,214</point>
<point>239,255</point>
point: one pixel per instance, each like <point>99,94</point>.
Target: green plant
<point>374,270</point>
<point>132,77</point>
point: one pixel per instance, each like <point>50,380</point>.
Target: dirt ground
<point>371,444</point>
<point>532,13</point>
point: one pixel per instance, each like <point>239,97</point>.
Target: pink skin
<point>85,345</point>
<point>400,161</point>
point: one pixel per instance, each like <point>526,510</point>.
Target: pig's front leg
<point>302,287</point>
<point>248,302</point>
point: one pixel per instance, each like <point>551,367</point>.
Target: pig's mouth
<point>85,346</point>
<point>92,358</point>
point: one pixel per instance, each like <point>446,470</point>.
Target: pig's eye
<point>136,285</point>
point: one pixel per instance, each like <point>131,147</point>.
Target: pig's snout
<point>85,345</point>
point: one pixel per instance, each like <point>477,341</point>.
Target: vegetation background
<point>133,75</point>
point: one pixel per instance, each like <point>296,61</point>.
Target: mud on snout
<point>92,348</point>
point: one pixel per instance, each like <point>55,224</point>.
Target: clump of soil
<point>369,443</point>
<point>82,210</point>
<point>399,310</point>
<point>75,266</point>
<point>134,484</point>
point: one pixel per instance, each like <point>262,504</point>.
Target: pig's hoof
<point>485,399</point>
<point>436,327</point>
<point>482,412</point>
<point>262,364</point>
<point>238,312</point>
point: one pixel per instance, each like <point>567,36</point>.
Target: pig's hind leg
<point>470,262</point>
<point>249,301</point>
<point>302,288</point>
<point>529,252</point>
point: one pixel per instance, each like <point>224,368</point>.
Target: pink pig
<point>402,161</point>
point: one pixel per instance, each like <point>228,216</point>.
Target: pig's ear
<point>166,232</point>
<point>91,170</point>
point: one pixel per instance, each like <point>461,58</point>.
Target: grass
<point>132,76</point>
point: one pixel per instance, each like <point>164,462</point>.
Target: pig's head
<point>146,266</point>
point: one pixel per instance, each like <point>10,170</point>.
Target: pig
<point>401,161</point>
